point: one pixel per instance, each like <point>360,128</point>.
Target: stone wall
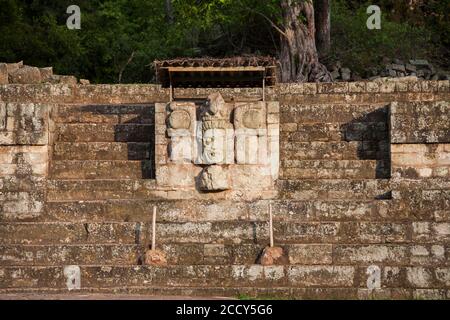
<point>23,158</point>
<point>358,213</point>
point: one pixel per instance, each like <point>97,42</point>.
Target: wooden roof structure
<point>211,73</point>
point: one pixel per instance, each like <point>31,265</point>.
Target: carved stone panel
<point>226,149</point>
<point>250,122</point>
<point>180,129</point>
<point>215,134</point>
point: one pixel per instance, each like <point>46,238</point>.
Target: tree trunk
<point>169,11</point>
<point>323,24</point>
<point>298,57</point>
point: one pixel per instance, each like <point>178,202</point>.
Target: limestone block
<point>420,122</point>
<point>176,175</point>
<point>12,67</point>
<point>26,124</point>
<point>310,254</point>
<point>26,75</point>
<point>330,276</point>
<point>58,79</point>
<point>214,250</point>
<point>46,73</point>
<point>250,177</point>
<point>214,178</point>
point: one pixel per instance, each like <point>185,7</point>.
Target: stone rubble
<point>18,73</point>
<point>420,69</point>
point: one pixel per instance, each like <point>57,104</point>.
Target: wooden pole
<point>154,229</point>
<point>271,225</point>
<point>264,88</point>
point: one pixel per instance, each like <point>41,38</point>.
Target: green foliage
<point>123,37</point>
<point>362,49</point>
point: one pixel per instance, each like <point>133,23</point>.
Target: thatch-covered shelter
<point>248,71</point>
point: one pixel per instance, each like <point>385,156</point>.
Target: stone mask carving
<point>215,124</point>
<point>215,127</point>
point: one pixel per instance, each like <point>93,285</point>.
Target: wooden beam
<point>215,69</point>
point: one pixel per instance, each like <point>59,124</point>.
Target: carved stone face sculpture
<point>214,125</point>
<point>213,146</point>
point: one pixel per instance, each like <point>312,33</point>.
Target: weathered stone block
<point>46,73</point>
<point>319,276</point>
<point>420,122</point>
<point>370,254</point>
<point>25,124</point>
<point>310,254</point>
<point>214,250</point>
<point>58,79</point>
<point>25,75</point>
<point>12,67</point>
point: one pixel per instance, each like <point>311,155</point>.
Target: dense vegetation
<point>119,39</point>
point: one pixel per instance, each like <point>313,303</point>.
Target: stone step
<point>333,169</point>
<point>176,254</point>
<point>297,280</point>
<point>98,169</point>
<point>89,190</point>
<point>358,131</point>
<point>209,211</point>
<point>213,254</point>
<point>100,132</point>
<point>113,114</point>
<point>201,276</point>
<point>102,151</point>
<point>194,254</point>
<point>69,254</point>
<point>200,293</point>
<point>333,113</point>
<point>335,189</point>
<point>269,292</point>
<point>223,232</point>
<point>307,189</point>
<point>334,150</point>
<point>69,233</point>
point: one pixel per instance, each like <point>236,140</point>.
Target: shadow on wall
<point>371,132</point>
<point>135,126</point>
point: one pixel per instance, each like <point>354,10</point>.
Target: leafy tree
<point>119,39</point>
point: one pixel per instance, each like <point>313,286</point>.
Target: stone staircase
<point>102,190</point>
